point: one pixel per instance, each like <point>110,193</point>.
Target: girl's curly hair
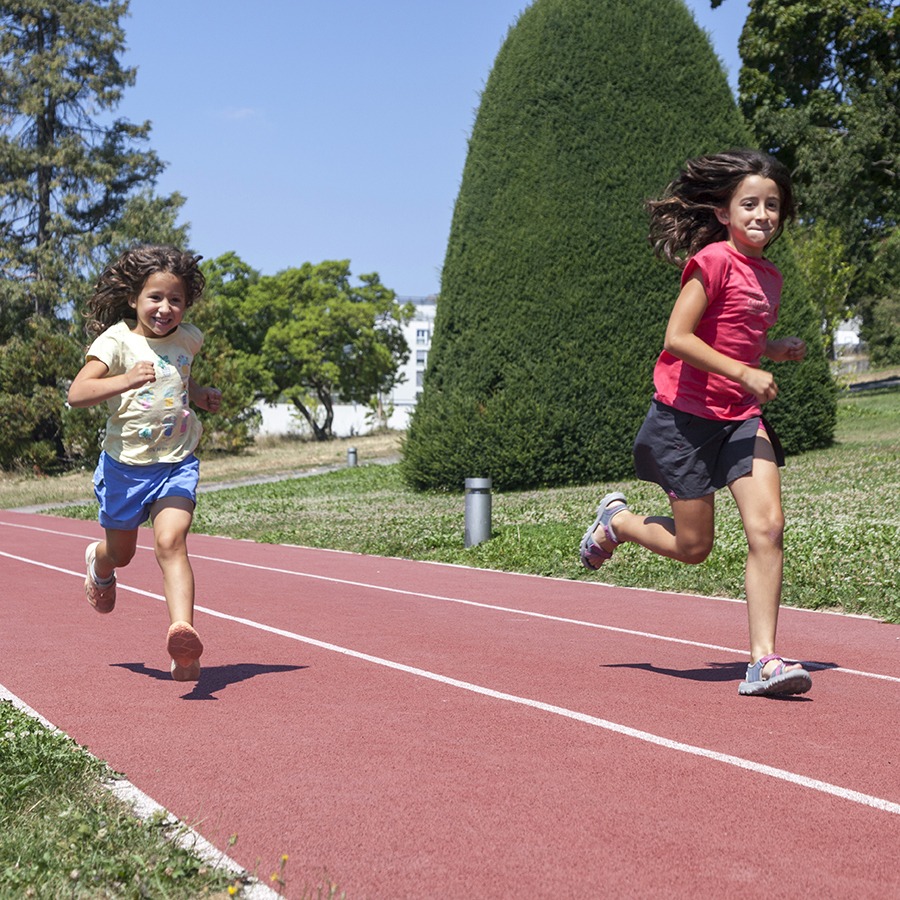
<point>123,280</point>
<point>684,220</point>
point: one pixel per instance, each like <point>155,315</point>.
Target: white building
<point>418,335</point>
<point>846,337</point>
<point>351,418</point>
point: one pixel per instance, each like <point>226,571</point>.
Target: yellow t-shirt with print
<point>153,423</point>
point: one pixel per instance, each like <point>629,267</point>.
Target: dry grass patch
<point>269,456</point>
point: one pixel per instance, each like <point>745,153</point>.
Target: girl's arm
<point>681,341</point>
<point>93,384</point>
<point>207,398</point>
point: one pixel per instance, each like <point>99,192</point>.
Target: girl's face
<point>752,215</point>
<point>160,305</point>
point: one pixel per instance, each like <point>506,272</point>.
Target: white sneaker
<point>102,598</point>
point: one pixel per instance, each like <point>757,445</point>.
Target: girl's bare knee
<point>695,553</point>
<point>696,557</point>
<point>768,535</point>
<point>767,541</point>
<point>120,557</point>
<point>168,546</point>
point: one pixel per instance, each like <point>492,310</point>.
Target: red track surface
<point>426,731</point>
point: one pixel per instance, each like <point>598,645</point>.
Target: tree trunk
<point>320,432</point>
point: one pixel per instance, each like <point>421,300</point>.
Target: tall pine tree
<point>76,186</point>
<point>74,181</point>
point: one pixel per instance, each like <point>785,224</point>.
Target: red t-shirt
<point>744,294</point>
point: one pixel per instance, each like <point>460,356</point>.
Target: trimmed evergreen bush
<point>552,307</point>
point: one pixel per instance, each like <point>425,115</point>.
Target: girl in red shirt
<point>705,428</point>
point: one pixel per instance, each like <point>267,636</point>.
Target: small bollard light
<point>351,456</point>
<point>478,511</point>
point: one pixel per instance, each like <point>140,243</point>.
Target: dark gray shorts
<point>689,456</point>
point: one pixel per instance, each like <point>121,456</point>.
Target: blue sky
<point>305,130</point>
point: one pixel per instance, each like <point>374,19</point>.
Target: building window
<point>420,378</point>
<point>423,335</point>
<point>421,358</point>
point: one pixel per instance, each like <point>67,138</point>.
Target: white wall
<point>349,420</point>
<point>846,335</point>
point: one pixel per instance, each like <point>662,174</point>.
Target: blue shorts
<point>126,493</point>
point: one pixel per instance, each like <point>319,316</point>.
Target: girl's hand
<point>784,349</point>
<point>760,383</point>
<point>139,374</point>
<point>209,398</point>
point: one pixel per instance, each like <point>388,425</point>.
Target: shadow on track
<point>212,679</point>
<point>717,672</point>
<point>712,672</point>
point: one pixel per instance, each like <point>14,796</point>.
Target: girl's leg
<point>758,497</point>
<point>686,536</point>
<point>172,517</point>
<point>114,552</point>
<point>101,560</point>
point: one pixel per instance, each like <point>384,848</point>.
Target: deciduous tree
<point>313,337</point>
<point>820,87</point>
<point>36,431</point>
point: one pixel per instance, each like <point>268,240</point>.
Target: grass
<point>269,457</point>
<point>62,834</point>
<point>842,550</point>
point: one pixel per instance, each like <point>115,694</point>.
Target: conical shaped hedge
<point>552,307</point>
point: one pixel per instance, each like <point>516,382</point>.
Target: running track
<point>429,731</point>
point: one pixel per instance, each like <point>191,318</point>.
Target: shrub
<point>552,307</point>
<point>805,412</point>
<point>881,311</point>
<point>37,431</point>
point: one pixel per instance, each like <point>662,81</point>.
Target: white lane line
<point>759,768</point>
<point>814,784</point>
<point>649,635</point>
<point>532,614</point>
<point>145,808</point>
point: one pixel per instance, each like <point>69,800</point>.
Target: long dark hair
<point>122,281</point>
<point>684,220</point>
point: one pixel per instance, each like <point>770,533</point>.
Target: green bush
<point>37,430</point>
<point>805,412</point>
<point>881,311</point>
<point>552,308</point>
<point>884,341</point>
